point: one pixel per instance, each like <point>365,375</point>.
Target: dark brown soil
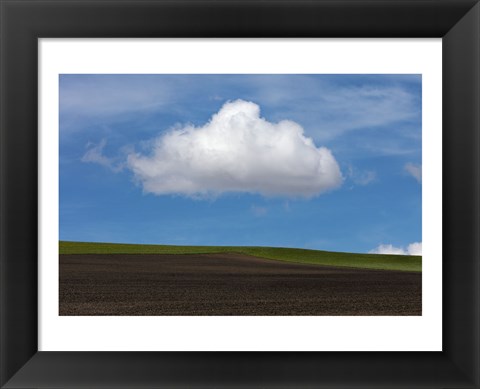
<point>229,284</point>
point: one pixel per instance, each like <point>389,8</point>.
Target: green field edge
<point>306,256</point>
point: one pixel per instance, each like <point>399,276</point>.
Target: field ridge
<point>294,255</point>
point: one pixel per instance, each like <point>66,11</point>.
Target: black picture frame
<point>22,22</point>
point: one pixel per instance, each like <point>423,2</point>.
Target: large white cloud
<point>237,151</point>
<point>411,249</point>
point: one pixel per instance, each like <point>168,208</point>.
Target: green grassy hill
<point>315,257</point>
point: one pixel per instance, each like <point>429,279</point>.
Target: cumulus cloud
<point>237,151</point>
<point>411,249</point>
<point>415,171</point>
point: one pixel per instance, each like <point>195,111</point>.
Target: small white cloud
<point>388,249</point>
<point>415,171</point>
<point>237,151</point>
<point>216,98</point>
<point>414,248</point>
<point>259,211</point>
<point>360,177</point>
<point>95,154</point>
<point>365,178</point>
<point>411,249</point>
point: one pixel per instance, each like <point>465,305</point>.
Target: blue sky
<point>328,162</point>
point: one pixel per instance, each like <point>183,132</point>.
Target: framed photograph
<point>211,194</point>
